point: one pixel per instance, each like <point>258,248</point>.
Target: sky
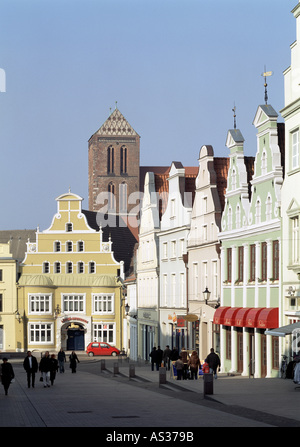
<point>175,67</point>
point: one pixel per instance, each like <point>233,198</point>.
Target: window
<point>195,279</point>
<point>41,332</point>
<point>80,267</point>
<point>276,265</point>
<point>269,208</point>
<point>241,264</point>
<point>264,261</point>
<point>73,303</point>
<point>103,304</point>
<point>80,246</point>
<point>57,246</point>
<point>229,217</point>
<point>229,264</point>
<point>92,267</point>
<point>172,208</point>
<point>40,304</point>
<point>69,246</point>
<point>123,197</point>
<point>275,352</point>
<point>69,227</point>
<point>295,150</point>
<point>252,262</point>
<point>1,302</point>
<point>165,289</point>
<point>264,162</point>
<point>110,160</point>
<point>1,275</point>
<point>123,167</point>
<point>57,267</point>
<point>173,249</point>
<point>104,332</point>
<point>46,267</point>
<point>238,217</point>
<point>295,239</point>
<point>69,267</point>
<point>233,180</point>
<point>214,280</point>
<point>111,196</point>
<point>257,212</point>
<point>165,250</point>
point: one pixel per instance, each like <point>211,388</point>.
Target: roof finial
<point>116,104</point>
<point>234,116</point>
<point>69,188</point>
<point>265,74</point>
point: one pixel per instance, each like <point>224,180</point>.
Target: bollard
<point>208,385</point>
<point>116,368</point>
<point>131,371</point>
<point>162,375</point>
<point>102,365</point>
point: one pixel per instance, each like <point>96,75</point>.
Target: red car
<point>100,348</point>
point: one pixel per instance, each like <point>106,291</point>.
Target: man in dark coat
<point>213,361</point>
<point>30,365</point>
<point>7,374</point>
<point>153,355</point>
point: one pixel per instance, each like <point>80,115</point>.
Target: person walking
<point>45,368</point>
<point>194,363</point>
<point>7,374</point>
<point>54,368</point>
<point>184,358</point>
<point>30,365</point>
<point>214,362</point>
<point>153,355</point>
<point>159,358</point>
<point>61,357</point>
<point>73,361</point>
<point>179,365</point>
<point>166,357</point>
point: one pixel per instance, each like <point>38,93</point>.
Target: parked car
<point>100,348</point>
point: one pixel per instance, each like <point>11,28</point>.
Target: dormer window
<point>56,246</point>
<point>69,227</point>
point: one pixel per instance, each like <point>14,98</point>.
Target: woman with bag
<point>73,361</point>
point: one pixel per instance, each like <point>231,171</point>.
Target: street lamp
<point>127,307</point>
<point>206,295</point>
<point>18,316</point>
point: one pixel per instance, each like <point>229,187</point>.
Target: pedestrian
<point>73,361</point>
<point>7,374</point>
<point>45,368</point>
<point>174,354</point>
<point>184,358</point>
<point>153,355</point>
<point>166,357</point>
<point>159,358</point>
<point>54,368</point>
<point>179,367</point>
<point>213,361</point>
<point>61,357</point>
<point>194,364</point>
<point>30,365</point>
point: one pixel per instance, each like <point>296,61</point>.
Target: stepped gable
<point>123,237</point>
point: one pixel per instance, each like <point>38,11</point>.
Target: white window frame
<point>39,300</point>
<point>70,302</point>
<point>68,265</point>
<point>38,328</point>
<point>79,265</point>
<point>46,267</point>
<point>55,265</point>
<point>80,244</point>
<point>103,300</point>
<point>100,328</point>
<point>92,263</point>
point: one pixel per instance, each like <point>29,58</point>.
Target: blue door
<point>75,340</point>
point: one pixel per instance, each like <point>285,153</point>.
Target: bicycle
<point>283,368</point>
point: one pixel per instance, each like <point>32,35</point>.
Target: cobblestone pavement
<point>109,399</point>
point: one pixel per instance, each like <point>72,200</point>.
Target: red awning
<point>252,317</point>
<point>268,318</point>
<point>219,315</point>
<point>241,316</point>
<point>230,314</point>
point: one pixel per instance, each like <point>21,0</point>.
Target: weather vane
<point>234,116</point>
<point>265,74</point>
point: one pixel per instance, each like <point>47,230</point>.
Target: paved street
<point>108,398</point>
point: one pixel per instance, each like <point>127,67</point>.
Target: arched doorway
<point>75,337</point>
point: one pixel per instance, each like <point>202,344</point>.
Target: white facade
<point>291,192</point>
<point>175,225</point>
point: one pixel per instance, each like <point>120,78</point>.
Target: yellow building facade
<point>8,299</point>
<point>70,288</point>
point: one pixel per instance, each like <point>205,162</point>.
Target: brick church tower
<point>114,165</point>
